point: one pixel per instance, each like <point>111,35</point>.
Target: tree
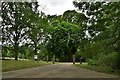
<point>64,39</point>
<point>74,17</point>
<point>15,23</point>
<point>37,31</point>
<point>60,31</point>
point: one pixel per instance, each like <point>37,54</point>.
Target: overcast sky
<point>55,6</point>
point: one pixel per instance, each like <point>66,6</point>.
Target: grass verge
<point>102,69</point>
<point>9,65</point>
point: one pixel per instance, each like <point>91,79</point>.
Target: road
<point>62,70</point>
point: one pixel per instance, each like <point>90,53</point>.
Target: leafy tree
<point>15,23</point>
<point>37,31</point>
<point>69,17</point>
<point>74,17</point>
<point>64,39</point>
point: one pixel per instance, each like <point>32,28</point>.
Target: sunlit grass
<point>9,65</point>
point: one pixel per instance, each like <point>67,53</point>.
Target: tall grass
<point>9,65</point>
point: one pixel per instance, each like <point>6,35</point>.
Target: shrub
<point>109,60</point>
<point>91,61</point>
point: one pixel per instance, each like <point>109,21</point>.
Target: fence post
<point>80,60</point>
<point>47,58</point>
<point>53,59</point>
<point>73,59</point>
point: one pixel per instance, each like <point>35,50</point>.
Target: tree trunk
<point>118,62</point>
<point>53,59</point>
<point>73,59</point>
<point>35,48</point>
<point>47,58</point>
<point>80,60</point>
<point>35,51</point>
<point>16,51</point>
<point>16,57</point>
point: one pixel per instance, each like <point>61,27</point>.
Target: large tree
<point>64,39</point>
<point>15,23</point>
<point>66,33</point>
<point>37,31</point>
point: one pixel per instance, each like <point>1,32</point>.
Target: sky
<point>53,7</point>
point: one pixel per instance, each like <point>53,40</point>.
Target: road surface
<point>62,70</point>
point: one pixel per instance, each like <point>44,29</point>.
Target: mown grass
<point>102,69</point>
<point>9,65</point>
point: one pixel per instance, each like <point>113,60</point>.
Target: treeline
<point>23,28</point>
<point>92,32</point>
<point>103,46</point>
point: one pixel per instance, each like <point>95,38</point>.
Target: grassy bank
<point>102,69</point>
<point>9,65</point>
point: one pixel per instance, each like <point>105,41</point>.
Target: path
<point>62,70</point>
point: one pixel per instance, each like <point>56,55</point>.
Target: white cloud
<point>55,6</point>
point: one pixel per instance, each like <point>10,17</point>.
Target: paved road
<point>62,70</point>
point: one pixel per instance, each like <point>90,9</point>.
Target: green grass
<point>102,69</point>
<point>9,65</point>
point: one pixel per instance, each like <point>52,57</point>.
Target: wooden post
<point>53,59</point>
<point>58,59</point>
<point>73,59</point>
<point>80,60</point>
<point>47,58</point>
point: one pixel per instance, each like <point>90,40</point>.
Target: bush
<point>91,61</point>
<point>109,60</point>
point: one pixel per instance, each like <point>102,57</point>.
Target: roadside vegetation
<point>107,70</point>
<point>10,65</point>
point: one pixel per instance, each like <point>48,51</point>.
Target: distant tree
<point>80,19</point>
<point>64,36</point>
<point>74,17</point>
<point>37,31</point>
<point>64,39</point>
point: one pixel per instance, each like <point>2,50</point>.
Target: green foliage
<point>74,17</point>
<point>7,51</point>
<point>109,60</point>
<point>103,69</point>
<point>15,22</point>
<point>26,52</point>
<point>37,31</point>
<point>104,31</point>
<point>64,37</point>
<point>21,24</point>
<point>65,33</point>
<point>91,61</point>
<point>43,53</point>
